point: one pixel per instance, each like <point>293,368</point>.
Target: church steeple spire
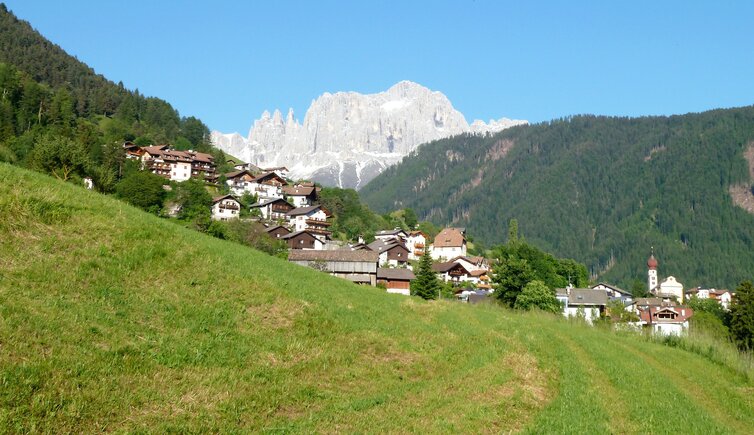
<point>652,271</point>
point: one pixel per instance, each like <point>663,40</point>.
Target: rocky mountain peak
<point>347,138</point>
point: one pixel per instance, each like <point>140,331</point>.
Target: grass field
<point>113,320</point>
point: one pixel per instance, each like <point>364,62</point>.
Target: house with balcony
<point>416,242</point>
<point>177,165</point>
<point>267,186</point>
<point>225,208</point>
<point>312,218</point>
<point>301,194</point>
<point>274,209</point>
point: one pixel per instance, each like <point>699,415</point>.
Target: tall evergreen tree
<point>742,316</point>
<point>426,284</point>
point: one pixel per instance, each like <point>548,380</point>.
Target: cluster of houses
<point>664,313</point>
<point>291,213</point>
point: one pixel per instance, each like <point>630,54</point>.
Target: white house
<point>614,292</point>
<point>267,186</point>
<point>416,242</point>
<point>581,302</point>
<point>239,182</point>
<point>225,208</point>
<point>391,234</point>
<point>723,297</point>
<point>313,218</point>
<point>670,287</point>
<point>273,209</point>
<point>665,319</point>
<point>449,243</point>
<point>456,272</point>
<point>301,195</point>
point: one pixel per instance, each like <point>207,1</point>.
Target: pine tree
<point>425,285</point>
<point>742,316</point>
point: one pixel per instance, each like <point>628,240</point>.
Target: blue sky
<point>227,61</point>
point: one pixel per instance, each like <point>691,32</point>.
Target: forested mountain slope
<point>64,81</point>
<point>113,320</point>
<point>602,190</point>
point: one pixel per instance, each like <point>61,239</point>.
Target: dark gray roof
<point>402,274</point>
<point>292,235</point>
<point>302,210</point>
<point>385,245</point>
<point>273,228</point>
<point>587,296</point>
<point>334,255</point>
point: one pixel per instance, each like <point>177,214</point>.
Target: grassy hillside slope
<point>601,190</point>
<point>111,319</point>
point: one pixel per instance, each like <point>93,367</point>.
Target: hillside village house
<point>449,243</point>
<point>273,209</point>
<point>239,182</point>
<point>665,319</point>
<point>723,297</point>
<point>225,208</point>
<point>397,233</point>
<point>415,242</point>
<point>589,303</point>
<point>456,272</point>
<point>301,195</point>
<point>277,231</point>
<point>177,165</point>
<point>396,280</point>
<point>614,292</point>
<point>313,218</point>
<point>266,186</point>
<point>304,240</point>
<point>356,266</point>
<point>392,252</point>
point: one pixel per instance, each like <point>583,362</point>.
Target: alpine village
<point>589,274</point>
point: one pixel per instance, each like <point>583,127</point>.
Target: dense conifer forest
<point>57,112</point>
<point>601,190</point>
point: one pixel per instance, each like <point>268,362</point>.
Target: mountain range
<point>348,138</point>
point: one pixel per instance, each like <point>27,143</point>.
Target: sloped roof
<point>396,274</point>
<point>385,245</point>
<point>298,233</point>
<point>270,201</point>
<point>449,238</point>
<point>273,228</point>
<point>220,198</point>
<point>587,296</point>
<point>345,255</point>
<point>298,190</point>
<point>269,175</point>
<point>306,210</point>
<point>612,287</point>
<point>448,265</point>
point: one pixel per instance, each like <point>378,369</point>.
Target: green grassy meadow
<point>114,320</point>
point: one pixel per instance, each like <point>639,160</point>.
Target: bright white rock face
<point>349,138</point>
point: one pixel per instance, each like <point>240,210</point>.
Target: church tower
<point>652,272</point>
